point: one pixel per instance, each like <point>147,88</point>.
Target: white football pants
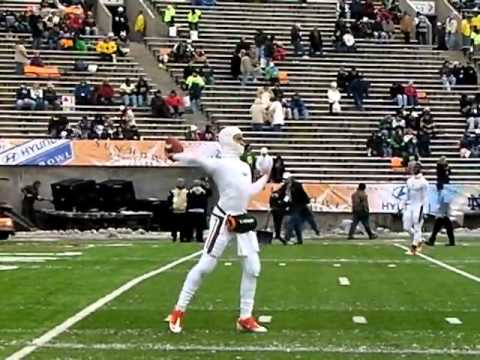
<point>413,222</point>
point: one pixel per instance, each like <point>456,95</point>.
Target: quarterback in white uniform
<point>234,182</point>
<point>416,205</point>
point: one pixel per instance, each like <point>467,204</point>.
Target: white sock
<point>248,285</point>
<point>194,279</point>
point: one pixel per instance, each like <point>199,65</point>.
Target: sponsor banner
<point>383,198</point>
<point>59,152</point>
<point>424,7</point>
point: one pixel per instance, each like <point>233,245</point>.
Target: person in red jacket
<point>105,94</point>
<point>411,92</point>
<point>175,103</point>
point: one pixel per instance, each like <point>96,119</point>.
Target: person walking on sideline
<point>440,211</point>
<point>361,212</point>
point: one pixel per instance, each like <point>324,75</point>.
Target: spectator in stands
<point>199,55</point>
<point>357,89</point>
<point>90,25</point>
<point>193,18</point>
<point>104,94</point>
<point>56,125</point>
<point>268,50</point>
<point>451,32</point>
<point>142,91</point>
<point>466,30</point>
<point>388,27</point>
<point>426,122</point>
<point>397,144</point>
<point>334,97</point>
<point>195,85</point>
<point>24,99</point>
<point>51,97</point>
<point>84,126</point>
<point>316,43</point>
<point>169,15</point>
<point>277,114</point>
<point>182,51</point>
<point>192,133</point>
<point>348,43</point>
<point>37,28</point>
<point>159,106</point>
<point>423,143</point>
<point>356,9</point>
<point>422,29</point>
<point>271,73</point>
<point>375,145</point>
<point>83,93</point>
<point>443,171</point>
<point>36,60</point>
<point>472,123</point>
<point>128,93</point>
<point>80,44</point>
<point>36,93</point>
<point>127,117</point>
<point>175,104</point>
<point>397,94</point>
<point>139,25</point>
<point>440,35</point>
<point>107,48</point>
<point>120,22</point>
<point>235,65</point>
<point>470,75</point>
<point>123,44</point>
<point>447,77</point>
<point>243,45</point>
<point>297,107</point>
<point>280,52</point>
<point>21,57</point>
<point>411,92</point>
<point>249,158</point>
<point>342,79</point>
<point>406,26</point>
<point>278,169</point>
<point>466,105</point>
<point>209,133</point>
<point>257,112</point>
<point>260,39</point>
<point>265,94</point>
<point>247,68</point>
<point>296,40</point>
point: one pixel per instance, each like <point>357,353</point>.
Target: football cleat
<point>250,325</point>
<point>175,321</point>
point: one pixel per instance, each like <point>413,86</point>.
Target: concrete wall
<point>103,17</point>
<point>148,182</point>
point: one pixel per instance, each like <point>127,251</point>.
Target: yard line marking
<point>337,262</point>
<point>453,321</point>
<point>264,349</point>
<point>49,335</point>
<point>66,253</point>
<point>342,280</point>
<point>359,320</point>
<point>444,265</point>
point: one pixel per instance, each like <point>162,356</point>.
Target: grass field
<point>405,301</point>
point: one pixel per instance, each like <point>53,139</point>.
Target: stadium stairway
<point>324,147</point>
<point>33,124</point>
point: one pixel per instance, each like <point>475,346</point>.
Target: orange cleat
<point>175,321</point>
<point>250,325</point>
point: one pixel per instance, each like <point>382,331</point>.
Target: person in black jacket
<point>278,170</point>
<point>316,43</point>
<point>296,200</point>
<point>31,194</point>
<point>197,206</point>
<point>443,171</point>
<point>277,209</point>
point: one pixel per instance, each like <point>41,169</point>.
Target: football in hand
<point>173,146</point>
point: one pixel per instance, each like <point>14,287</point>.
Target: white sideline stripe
<point>49,335</point>
<point>444,265</point>
<point>264,349</point>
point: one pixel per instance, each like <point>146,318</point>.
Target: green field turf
<point>405,305</point>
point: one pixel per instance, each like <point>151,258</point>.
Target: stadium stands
<point>324,147</point>
<point>33,124</point>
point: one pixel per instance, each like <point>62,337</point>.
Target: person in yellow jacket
<point>169,16</point>
<point>140,24</point>
<point>193,17</point>
<point>476,42</point>
<point>107,48</point>
<point>466,29</point>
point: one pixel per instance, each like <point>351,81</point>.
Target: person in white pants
<point>416,206</point>
<point>234,182</point>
